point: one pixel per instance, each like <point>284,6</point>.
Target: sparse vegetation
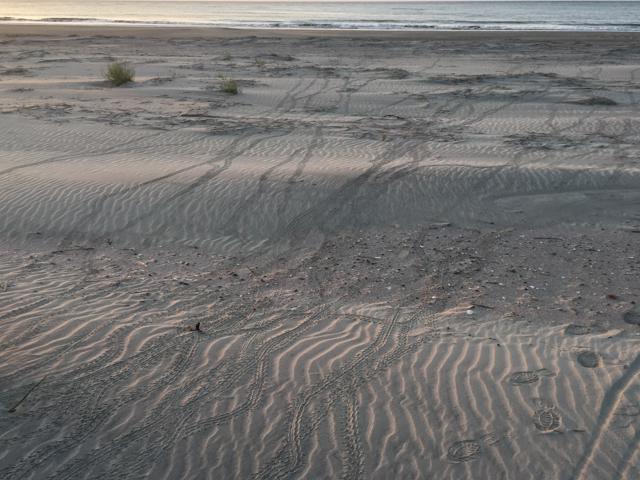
<point>16,71</point>
<point>604,101</point>
<point>260,63</point>
<point>226,57</point>
<point>229,85</point>
<point>119,73</point>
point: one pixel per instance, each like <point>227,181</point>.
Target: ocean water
<point>452,15</point>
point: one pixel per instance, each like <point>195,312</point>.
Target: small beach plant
<point>119,73</point>
<point>229,85</point>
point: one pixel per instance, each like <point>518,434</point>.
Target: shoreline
<point>211,32</point>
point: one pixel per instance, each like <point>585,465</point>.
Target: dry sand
<point>410,255</point>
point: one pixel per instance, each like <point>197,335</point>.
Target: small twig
<point>253,272</point>
<point>483,306</point>
<point>194,328</point>
<point>73,249</point>
<point>13,409</point>
<point>548,238</point>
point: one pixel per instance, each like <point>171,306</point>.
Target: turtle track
<point>343,382</point>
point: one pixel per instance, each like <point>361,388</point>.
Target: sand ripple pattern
<point>407,259</point>
<point>238,193</point>
<point>268,392</point>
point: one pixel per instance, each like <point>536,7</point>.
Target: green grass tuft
<point>229,85</point>
<point>119,73</point>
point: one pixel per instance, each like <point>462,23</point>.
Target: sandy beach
<point>392,255</point>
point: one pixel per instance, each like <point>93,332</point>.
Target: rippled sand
<point>410,256</point>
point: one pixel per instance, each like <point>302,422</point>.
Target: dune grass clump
<point>229,85</point>
<point>119,73</point>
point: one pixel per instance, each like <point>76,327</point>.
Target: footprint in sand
<point>632,317</point>
<point>626,415</point>
<point>546,418</point>
<point>466,450</point>
<point>530,376</point>
<point>589,359</point>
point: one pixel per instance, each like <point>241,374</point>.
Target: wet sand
<point>411,255</point>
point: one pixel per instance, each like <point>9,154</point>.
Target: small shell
<point>574,329</point>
